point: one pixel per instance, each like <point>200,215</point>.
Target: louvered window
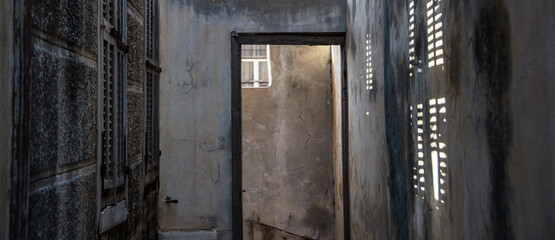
<point>108,10</point>
<point>151,135</point>
<point>112,120</point>
<point>152,30</point>
<point>152,152</point>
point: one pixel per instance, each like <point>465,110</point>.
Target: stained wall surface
<point>450,123</point>
<point>451,119</point>
<point>195,108</point>
<point>6,67</point>
<point>287,147</point>
<point>368,162</point>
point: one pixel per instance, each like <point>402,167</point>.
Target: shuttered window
<point>152,30</point>
<point>151,135</point>
<point>152,151</point>
<point>113,117</point>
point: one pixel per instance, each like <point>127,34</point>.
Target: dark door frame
<point>236,127</point>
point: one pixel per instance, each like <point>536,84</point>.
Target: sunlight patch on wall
<point>438,157</point>
<point>434,27</point>
<point>369,71</point>
<point>411,38</point>
<point>428,122</point>
<point>419,175</point>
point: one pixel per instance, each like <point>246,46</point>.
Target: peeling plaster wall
<point>195,109</point>
<point>287,147</point>
<point>493,140</point>
<point>6,67</point>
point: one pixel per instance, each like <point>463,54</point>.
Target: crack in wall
<point>203,145</point>
<point>191,84</point>
<point>305,127</point>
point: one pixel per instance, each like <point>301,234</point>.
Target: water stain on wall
<point>397,180</point>
<point>492,49</point>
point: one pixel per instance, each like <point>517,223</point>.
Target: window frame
<point>151,154</point>
<point>152,150</point>
<point>112,185</point>
<point>256,83</point>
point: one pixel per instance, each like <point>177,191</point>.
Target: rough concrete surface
<point>287,146</point>
<point>63,103</point>
<point>136,55</point>
<point>73,21</point>
<point>53,209</point>
<point>135,123</point>
<point>195,109</point>
<point>491,139</point>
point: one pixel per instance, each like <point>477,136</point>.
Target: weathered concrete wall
<point>195,99</point>
<point>368,163</point>
<point>287,147</point>
<point>492,140</point>
<point>6,67</point>
<point>529,164</point>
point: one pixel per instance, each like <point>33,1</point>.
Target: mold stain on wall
<point>397,175</point>
<point>492,49</point>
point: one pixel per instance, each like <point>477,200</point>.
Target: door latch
<point>170,200</point>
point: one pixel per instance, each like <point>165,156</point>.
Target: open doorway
<point>289,137</point>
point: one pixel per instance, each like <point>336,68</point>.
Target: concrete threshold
<point>189,235</point>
